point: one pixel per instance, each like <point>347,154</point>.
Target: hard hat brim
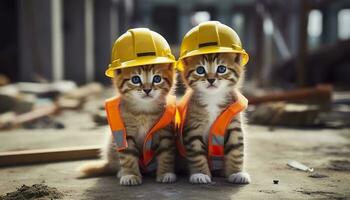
<point>211,49</point>
<point>146,60</point>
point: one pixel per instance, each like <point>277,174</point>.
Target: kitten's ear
<point>185,61</point>
<point>170,66</point>
<point>118,71</point>
<point>238,58</point>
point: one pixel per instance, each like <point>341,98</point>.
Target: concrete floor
<point>267,155</point>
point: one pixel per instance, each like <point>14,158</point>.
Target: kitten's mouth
<point>147,97</point>
<point>211,87</point>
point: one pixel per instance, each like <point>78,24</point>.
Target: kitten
<point>143,95</point>
<point>213,82</point>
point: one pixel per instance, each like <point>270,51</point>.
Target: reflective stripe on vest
<point>119,133</point>
<point>217,132</point>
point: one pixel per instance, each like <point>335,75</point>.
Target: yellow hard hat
<point>211,37</point>
<point>139,46</point>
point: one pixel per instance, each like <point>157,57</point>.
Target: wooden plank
<point>48,155</point>
<point>320,93</point>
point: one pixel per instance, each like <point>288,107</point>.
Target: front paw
<point>199,178</point>
<point>130,180</point>
<point>239,178</point>
<point>167,178</point>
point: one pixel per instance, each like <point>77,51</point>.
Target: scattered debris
<point>30,116</point>
<point>100,117</point>
<point>268,191</point>
<point>337,117</point>
<point>306,107</point>
<point>15,103</point>
<point>339,165</point>
<point>84,91</point>
<point>338,151</point>
<point>45,122</point>
<point>299,166</point>
<point>35,191</point>
<point>47,90</point>
<point>328,195</point>
<point>74,99</point>
<point>314,192</point>
<point>286,114</point>
<point>6,118</point>
<point>70,104</point>
<point>33,104</point>
<point>275,182</point>
<point>317,175</point>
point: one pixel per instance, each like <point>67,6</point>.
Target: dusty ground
<point>36,191</point>
<point>328,151</point>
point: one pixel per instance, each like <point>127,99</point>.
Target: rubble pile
<point>34,105</point>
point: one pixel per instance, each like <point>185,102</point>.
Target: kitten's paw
<point>167,178</point>
<point>199,178</point>
<point>130,180</point>
<point>239,178</point>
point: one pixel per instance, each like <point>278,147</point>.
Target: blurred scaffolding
<point>290,42</point>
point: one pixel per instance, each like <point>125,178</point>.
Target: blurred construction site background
<point>55,52</point>
<point>53,55</point>
<point>290,42</point>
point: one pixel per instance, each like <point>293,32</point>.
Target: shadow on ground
<point>109,188</point>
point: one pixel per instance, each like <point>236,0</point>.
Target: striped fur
<point>207,102</point>
<point>140,111</point>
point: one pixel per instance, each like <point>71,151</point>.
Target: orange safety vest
<point>217,130</point>
<point>146,161</point>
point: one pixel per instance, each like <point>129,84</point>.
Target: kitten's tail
<point>96,168</point>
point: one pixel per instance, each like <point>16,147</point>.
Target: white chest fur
<point>212,107</point>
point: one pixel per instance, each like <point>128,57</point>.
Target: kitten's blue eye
<point>200,70</point>
<point>157,79</point>
<point>221,69</point>
<point>135,79</point>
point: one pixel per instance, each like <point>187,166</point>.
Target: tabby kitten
<point>143,91</point>
<point>214,80</point>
